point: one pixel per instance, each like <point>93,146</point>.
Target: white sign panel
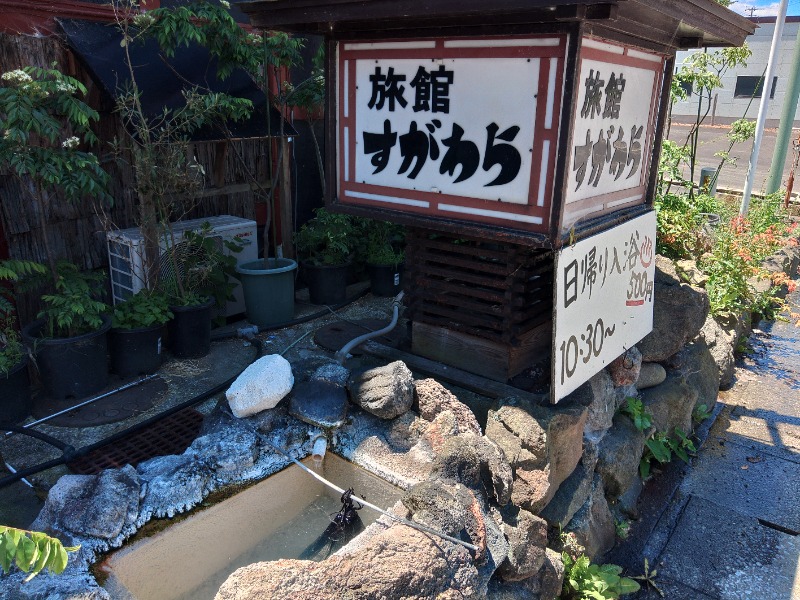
<point>462,129</point>
<point>603,300</point>
<point>473,139</point>
<point>615,110</point>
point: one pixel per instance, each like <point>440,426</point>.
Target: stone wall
<point>506,489</point>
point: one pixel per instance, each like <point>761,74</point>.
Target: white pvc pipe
<point>342,354</point>
<point>320,447</point>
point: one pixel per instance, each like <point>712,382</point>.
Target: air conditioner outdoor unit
<point>126,254</point>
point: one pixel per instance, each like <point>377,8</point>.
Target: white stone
<point>260,386</point>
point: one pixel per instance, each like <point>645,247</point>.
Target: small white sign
<point>603,300</point>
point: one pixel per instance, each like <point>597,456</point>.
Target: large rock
<point>671,404</point>
<point>101,506</point>
<point>620,451</point>
<point>593,524</point>
<point>599,396</point>
<point>545,585</point>
<point>71,584</point>
<point>542,444</point>
<point>227,451</point>
<point>459,512</point>
<point>721,343</point>
<point>433,398</point>
<point>174,483</point>
<point>624,369</point>
<point>602,398</point>
<point>786,260</point>
<point>386,392</point>
<point>478,463</point>
<point>401,563</point>
<point>696,365</point>
<point>679,312</point>
<point>260,386</point>
<point>688,271</point>
<point>527,541</point>
<point>571,495</point>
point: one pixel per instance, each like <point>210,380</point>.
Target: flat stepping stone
<point>320,403</point>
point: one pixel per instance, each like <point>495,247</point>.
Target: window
<point>686,86</point>
<point>751,86</point>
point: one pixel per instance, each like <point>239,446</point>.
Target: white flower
<point>63,86</point>
<point>17,76</point>
<point>143,20</point>
<point>225,4</point>
<point>71,143</point>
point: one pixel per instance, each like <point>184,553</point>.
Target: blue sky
<point>764,8</point>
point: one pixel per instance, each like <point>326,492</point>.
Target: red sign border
<point>531,210</point>
<point>624,59</point>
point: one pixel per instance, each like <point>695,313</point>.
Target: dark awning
<point>670,24</point>
<point>161,80</point>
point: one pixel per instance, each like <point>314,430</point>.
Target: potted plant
<point>268,290</point>
<point>325,246</point>
<point>15,396</point>
<point>137,330</point>
<point>69,337</point>
<point>195,276</point>
<point>384,256</point>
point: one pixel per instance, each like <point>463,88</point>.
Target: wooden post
<point>287,206</point>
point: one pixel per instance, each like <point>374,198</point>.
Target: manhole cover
<point>118,406</point>
<point>334,336</point>
<point>170,435</point>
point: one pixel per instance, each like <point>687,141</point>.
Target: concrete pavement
<point>726,527</point>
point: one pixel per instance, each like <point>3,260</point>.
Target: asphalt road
<point>714,139</point>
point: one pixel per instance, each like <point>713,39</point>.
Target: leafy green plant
<point>622,528</point>
<point>197,267</point>
<point>73,308</point>
<point>32,552</point>
<point>700,413</point>
<point>637,412</point>
<point>382,242</point>
<point>584,580</point>
<point>649,578</point>
<point>661,447</point>
<point>11,348</point>
<point>143,309</point>
<point>158,147</point>
<point>701,72</point>
<point>47,130</point>
<point>327,239</point>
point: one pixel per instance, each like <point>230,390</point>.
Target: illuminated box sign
<point>614,123</point>
<point>603,300</point>
<point>455,128</point>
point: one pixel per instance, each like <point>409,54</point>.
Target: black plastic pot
<point>385,280</point>
<point>136,351</point>
<point>190,330</point>
<point>327,284</point>
<point>15,393</point>
<point>70,367</point>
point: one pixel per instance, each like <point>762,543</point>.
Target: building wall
<point>728,107</point>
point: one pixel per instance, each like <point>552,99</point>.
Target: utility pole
<point>784,135</point>
<point>766,87</point>
<point>790,181</point>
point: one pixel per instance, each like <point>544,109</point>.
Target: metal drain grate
<point>171,435</point>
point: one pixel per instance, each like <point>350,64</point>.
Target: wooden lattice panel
<point>491,290</point>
